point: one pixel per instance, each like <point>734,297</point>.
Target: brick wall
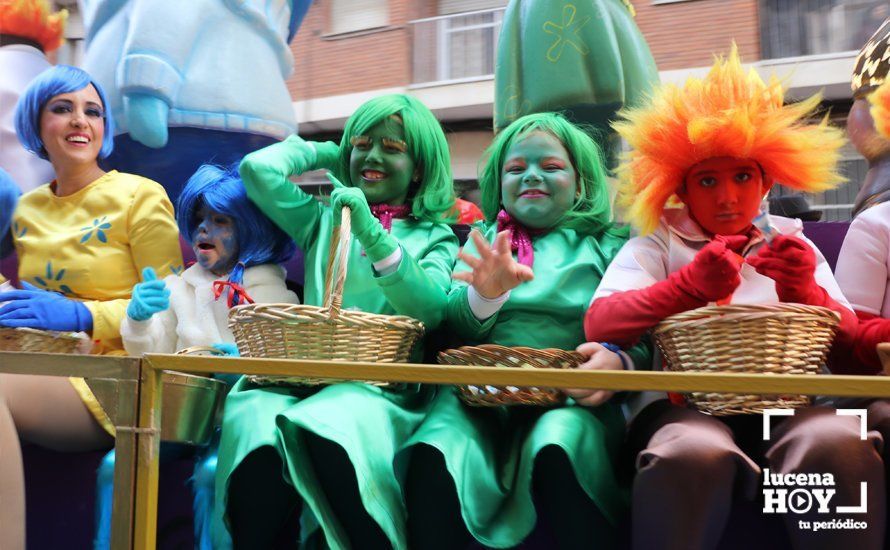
<point>681,35</point>
<point>326,65</point>
<point>687,34</point>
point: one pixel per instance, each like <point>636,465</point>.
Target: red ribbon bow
<point>236,294</point>
<point>520,237</point>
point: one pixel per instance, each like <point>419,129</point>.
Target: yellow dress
<point>92,246</point>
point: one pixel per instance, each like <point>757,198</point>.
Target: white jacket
<point>863,267</point>
<point>643,261</point>
<point>194,317</point>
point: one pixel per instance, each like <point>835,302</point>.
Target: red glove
<point>791,263</point>
<point>623,317</point>
<point>872,331</point>
<point>714,272</point>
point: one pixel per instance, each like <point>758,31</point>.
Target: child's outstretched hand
<point>149,297</point>
<point>494,271</point>
<point>600,358</point>
<point>792,264</point>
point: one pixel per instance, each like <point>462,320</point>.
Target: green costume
<point>490,452</point>
<point>369,423</point>
<point>586,60</point>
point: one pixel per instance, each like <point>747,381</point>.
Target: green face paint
<point>380,164</point>
<point>538,181</point>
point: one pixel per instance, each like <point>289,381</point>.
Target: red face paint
<point>724,193</point>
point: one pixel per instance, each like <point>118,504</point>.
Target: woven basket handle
<point>338,257</point>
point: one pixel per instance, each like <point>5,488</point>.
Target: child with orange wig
<point>703,157</point>
<point>33,20</point>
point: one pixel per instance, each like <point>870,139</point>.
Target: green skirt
<point>371,424</point>
<point>490,454</point>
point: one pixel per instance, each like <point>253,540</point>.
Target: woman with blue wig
<point>82,241</point>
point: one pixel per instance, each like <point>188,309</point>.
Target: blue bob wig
<point>220,189</point>
<point>61,79</point>
<point>9,196</point>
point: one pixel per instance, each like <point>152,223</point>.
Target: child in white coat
<point>238,250</point>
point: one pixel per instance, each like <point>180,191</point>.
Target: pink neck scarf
<point>520,237</point>
<point>385,213</point>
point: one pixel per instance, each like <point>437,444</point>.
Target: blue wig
<point>9,196</point>
<point>259,240</point>
<point>61,79</point>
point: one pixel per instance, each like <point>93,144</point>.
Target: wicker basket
<point>756,339</point>
<point>294,331</point>
<point>28,339</point>
<point>491,355</point>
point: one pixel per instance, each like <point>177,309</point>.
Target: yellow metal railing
<point>138,414</point>
<point>154,365</point>
<point>124,374</point>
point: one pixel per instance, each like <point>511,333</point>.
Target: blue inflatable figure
<point>192,82</point>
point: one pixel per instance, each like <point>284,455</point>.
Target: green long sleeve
<point>266,176</point>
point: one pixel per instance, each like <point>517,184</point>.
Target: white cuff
<point>389,264</point>
<point>483,307</point>
<point>145,73</point>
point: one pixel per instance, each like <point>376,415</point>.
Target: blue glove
<point>230,350</point>
<point>378,244</point>
<point>41,309</point>
<point>149,297</point>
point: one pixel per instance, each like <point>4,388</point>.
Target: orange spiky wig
<point>880,108</point>
<point>729,113</point>
<point>32,19</point>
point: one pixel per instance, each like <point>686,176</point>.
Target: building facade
<point>442,52</point>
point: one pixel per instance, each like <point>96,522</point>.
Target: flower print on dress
<point>19,230</point>
<point>99,226</point>
<point>49,283</point>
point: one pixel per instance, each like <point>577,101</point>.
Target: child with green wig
<point>525,279</point>
<point>327,454</point>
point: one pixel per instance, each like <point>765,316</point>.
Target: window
<point>448,7</point>
<point>836,204</point>
<point>791,28</point>
<point>457,46</point>
<point>356,15</point>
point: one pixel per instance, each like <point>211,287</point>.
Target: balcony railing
<point>457,47</point>
<point>793,28</point>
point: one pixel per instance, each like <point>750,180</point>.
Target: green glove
<point>378,244</point>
